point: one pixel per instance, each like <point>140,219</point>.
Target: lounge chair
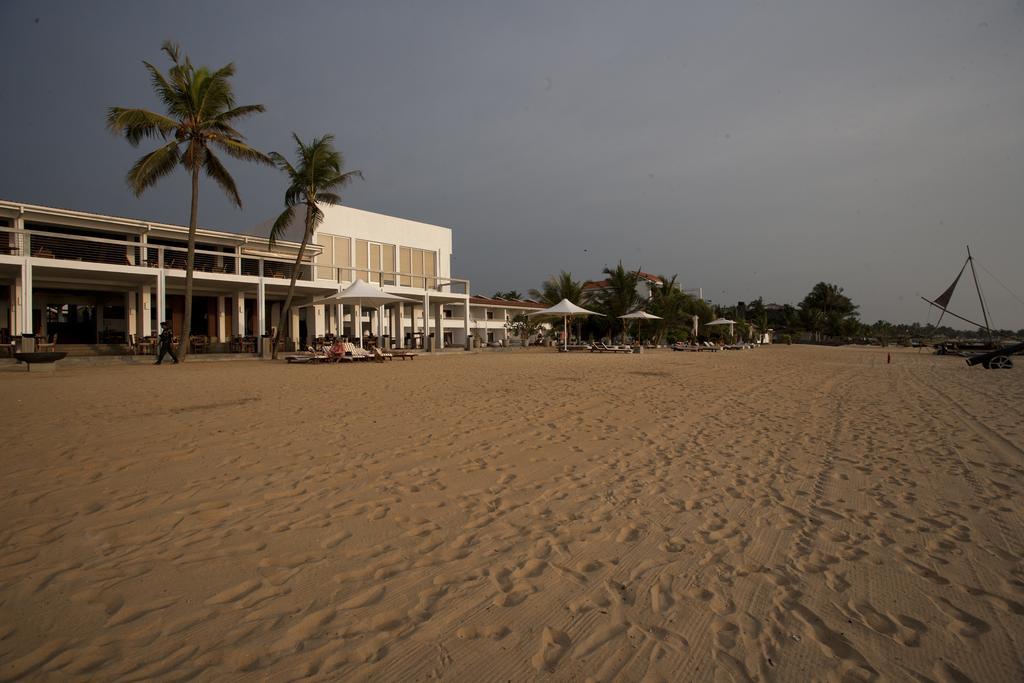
<point>381,356</point>
<point>403,354</point>
<point>310,356</point>
<point>355,353</point>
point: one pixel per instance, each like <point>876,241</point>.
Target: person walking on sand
<point>166,343</point>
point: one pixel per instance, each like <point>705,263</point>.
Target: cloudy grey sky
<point>755,148</point>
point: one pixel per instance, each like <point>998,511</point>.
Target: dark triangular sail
<point>943,299</point>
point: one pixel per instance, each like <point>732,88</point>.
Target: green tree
<point>826,310</point>
<point>510,294</point>
<point>200,117</point>
<point>619,295</point>
<point>559,287</point>
<point>669,302</point>
<point>523,326</point>
<point>314,181</point>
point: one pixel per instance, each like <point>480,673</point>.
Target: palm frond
<point>153,166</point>
<point>171,49</point>
<point>240,150</point>
<point>281,225</point>
<point>136,124</point>
<point>239,112</point>
<point>220,175</point>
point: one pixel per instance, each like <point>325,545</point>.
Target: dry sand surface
<point>785,513</point>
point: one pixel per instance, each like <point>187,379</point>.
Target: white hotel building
<point>95,281</point>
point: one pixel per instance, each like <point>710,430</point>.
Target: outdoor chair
<point>145,346</point>
<point>381,356</point>
<point>47,345</point>
<point>199,343</point>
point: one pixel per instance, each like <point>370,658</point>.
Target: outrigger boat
<point>993,356</point>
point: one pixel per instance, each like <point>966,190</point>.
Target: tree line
<point>826,313</point>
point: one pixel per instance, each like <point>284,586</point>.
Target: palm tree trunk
<point>295,274</point>
<point>190,264</point>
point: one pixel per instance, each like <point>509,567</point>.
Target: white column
<point>426,321</point>
<point>238,318</point>
<point>293,326</point>
<point>26,297</point>
<point>261,307</point>
<point>131,312</point>
<point>17,300</point>
<point>380,323</point>
<point>319,325</point>
<point>222,319</point>
<point>400,325</point>
<point>145,312</point>
<point>357,322</point>
<point>339,323</point>
<point>161,297</point>
<point>465,323</point>
<point>439,326</point>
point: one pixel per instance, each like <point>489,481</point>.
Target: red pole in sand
<point>888,358</point>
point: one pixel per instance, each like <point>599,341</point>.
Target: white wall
<point>348,222</point>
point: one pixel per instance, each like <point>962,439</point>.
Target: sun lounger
<point>404,354</point>
<point>601,347</point>
<point>310,356</point>
<point>708,346</point>
<point>381,356</point>
<point>355,353</point>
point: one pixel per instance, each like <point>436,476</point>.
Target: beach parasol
<point>361,293</point>
<point>564,309</point>
<point>638,316</point>
<point>722,321</point>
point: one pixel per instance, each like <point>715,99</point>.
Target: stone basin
<point>44,361</point>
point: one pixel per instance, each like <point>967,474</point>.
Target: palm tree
<point>314,182</point>
<point>619,296</point>
<point>559,287</point>
<point>668,302</point>
<point>201,113</point>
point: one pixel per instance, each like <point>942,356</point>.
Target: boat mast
<point>984,314</point>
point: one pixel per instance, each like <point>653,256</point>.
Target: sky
<point>754,148</point>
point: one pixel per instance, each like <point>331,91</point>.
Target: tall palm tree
<point>559,287</point>
<point>619,295</point>
<point>201,113</point>
<point>668,302</point>
<point>314,182</point>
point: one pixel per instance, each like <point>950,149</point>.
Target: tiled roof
<point>505,303</point>
<point>603,284</point>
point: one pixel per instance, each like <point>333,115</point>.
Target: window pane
<point>343,257</point>
<point>405,265</point>
<point>362,259</point>
<point>325,259</point>
<point>389,264</point>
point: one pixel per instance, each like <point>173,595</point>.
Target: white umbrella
<point>564,309</point>
<point>638,316</point>
<point>722,321</point>
<point>361,293</point>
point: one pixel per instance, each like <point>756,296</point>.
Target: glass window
<point>405,265</point>
<point>375,258</point>
<point>362,259</point>
<point>325,259</point>
<point>389,264</point>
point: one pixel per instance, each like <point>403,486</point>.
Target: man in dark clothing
<point>166,343</point>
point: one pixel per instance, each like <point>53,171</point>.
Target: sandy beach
<point>785,513</point>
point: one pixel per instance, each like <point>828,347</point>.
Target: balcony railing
<point>116,252</point>
<point>121,252</point>
<point>347,274</point>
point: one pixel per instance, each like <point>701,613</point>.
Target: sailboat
<point>993,356</point>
